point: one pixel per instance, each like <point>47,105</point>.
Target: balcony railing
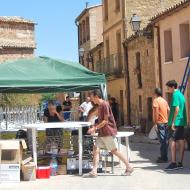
<point>112,65</point>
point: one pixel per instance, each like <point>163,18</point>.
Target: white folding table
<point>125,135</point>
<point>63,125</point>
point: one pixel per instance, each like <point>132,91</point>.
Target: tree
<point>12,100</point>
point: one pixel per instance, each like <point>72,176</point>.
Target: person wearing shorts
<point>177,122</point>
<point>107,130</point>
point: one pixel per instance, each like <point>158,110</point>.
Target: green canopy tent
<point>43,74</point>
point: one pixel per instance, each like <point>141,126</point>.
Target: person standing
<point>177,121</point>
<point>85,107</point>
<point>67,105</point>
<point>107,131</point>
<point>160,117</point>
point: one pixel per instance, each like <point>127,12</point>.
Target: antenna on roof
<point>87,4</point>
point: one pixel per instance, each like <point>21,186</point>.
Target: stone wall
<point>15,53</point>
<point>97,55</point>
<point>17,40</point>
<point>145,9</point>
<point>145,47</point>
<point>17,34</point>
<point>95,31</point>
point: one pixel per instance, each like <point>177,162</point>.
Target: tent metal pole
<point>103,88</point>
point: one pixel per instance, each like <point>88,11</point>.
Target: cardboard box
<point>29,171</point>
<point>9,173</point>
<point>11,151</point>
<point>62,170</point>
<point>26,160</point>
<point>63,160</point>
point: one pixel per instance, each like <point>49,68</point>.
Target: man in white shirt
<point>85,107</point>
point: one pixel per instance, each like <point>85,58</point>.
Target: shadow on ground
<point>148,153</point>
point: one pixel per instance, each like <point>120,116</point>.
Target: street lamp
<point>135,23</point>
<point>81,52</point>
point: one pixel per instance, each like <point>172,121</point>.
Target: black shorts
<point>178,134</point>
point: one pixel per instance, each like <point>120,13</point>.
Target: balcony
<point>112,65</point>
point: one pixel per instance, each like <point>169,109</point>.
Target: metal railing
<point>112,65</point>
<point>12,118</point>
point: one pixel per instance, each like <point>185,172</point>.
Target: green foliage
<point>18,100</point>
<point>47,97</point>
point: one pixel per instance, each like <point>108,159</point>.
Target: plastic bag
<point>153,133</point>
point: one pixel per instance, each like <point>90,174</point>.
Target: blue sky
<point>56,33</point>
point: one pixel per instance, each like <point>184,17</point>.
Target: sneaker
<point>180,165</point>
<point>128,172</point>
<point>160,160</point>
<point>172,166</point>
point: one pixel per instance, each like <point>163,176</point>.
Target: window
<point>138,69</point>
<point>84,31</point>
<point>117,5</point>
<point>168,45</point>
<point>99,55</point>
<point>106,9</point>
<point>119,43</point>
<point>140,103</point>
<point>106,66</point>
<point>184,40</point>
<point>80,34</point>
<point>119,60</point>
<point>107,48</point>
<point>149,107</point>
<point>87,29</point>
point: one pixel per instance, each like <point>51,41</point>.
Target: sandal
<point>128,171</point>
<point>90,175</point>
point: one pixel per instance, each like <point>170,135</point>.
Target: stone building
<point>117,15</point>
<point>143,79</point>
<point>90,28</point>
<point>17,38</point>
<point>145,72</point>
<point>173,26</point>
<point>97,55</point>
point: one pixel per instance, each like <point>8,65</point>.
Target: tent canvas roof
<point>43,74</point>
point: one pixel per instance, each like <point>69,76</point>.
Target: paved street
<point>147,176</point>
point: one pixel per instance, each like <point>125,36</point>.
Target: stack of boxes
<point>10,159</point>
